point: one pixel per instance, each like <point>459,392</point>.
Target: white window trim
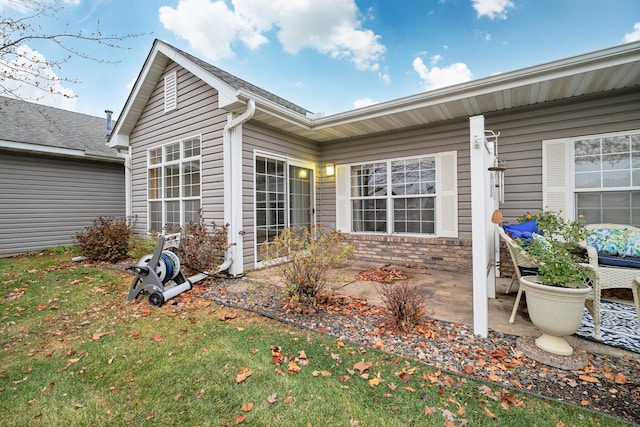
<point>170,91</point>
<point>289,161</point>
<point>558,173</point>
<point>161,187</point>
<point>343,197</point>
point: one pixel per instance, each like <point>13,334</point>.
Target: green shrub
<point>307,256</point>
<point>106,240</point>
<point>405,305</point>
<point>201,247</point>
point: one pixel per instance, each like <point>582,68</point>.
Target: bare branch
<point>26,24</point>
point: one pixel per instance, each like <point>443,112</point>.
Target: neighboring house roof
<point>27,126</point>
<point>604,70</point>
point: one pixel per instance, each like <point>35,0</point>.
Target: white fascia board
<point>22,146</point>
<point>133,97</point>
<point>119,141</point>
<point>537,74</point>
<point>226,93</point>
<point>56,151</point>
<point>275,110</point>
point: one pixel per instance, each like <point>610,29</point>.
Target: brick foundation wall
<point>438,253</point>
<point>506,265</point>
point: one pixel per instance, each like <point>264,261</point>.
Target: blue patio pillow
<point>633,244</point>
<point>607,240</point>
<point>522,231</point>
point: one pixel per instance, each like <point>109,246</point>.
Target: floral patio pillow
<point>633,244</point>
<point>609,241</point>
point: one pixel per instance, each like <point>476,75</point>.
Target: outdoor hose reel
<point>159,275</point>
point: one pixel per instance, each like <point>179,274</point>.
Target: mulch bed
<point>608,385</point>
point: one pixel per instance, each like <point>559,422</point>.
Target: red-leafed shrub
<point>405,305</point>
<point>106,240</point>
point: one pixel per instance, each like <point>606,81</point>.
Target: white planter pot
<point>556,311</point>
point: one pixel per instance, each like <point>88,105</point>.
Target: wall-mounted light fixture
<point>330,169</point>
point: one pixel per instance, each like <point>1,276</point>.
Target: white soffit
<point>605,70</point>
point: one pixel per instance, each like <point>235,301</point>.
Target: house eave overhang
<point>605,70</point>
<point>596,72</point>
<point>155,64</point>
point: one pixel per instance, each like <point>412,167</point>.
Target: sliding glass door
<point>283,198</point>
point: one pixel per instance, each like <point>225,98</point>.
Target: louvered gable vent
<point>170,92</point>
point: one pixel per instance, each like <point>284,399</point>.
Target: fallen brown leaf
<point>293,367</point>
<point>490,414</point>
<point>589,379</point>
<point>243,375</point>
<point>620,379</point>
<point>362,366</point>
<point>227,316</point>
<point>97,335</point>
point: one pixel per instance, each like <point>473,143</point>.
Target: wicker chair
<point>611,277</point>
<point>521,260</point>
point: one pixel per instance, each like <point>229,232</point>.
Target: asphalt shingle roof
<point>238,83</point>
<point>26,122</point>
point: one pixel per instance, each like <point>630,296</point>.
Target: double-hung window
<point>598,174</point>
<point>174,184</point>
<point>413,195</point>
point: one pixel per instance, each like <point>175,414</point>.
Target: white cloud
<point>32,80</point>
<point>330,27</point>
<point>364,102</point>
<point>73,2</point>
<point>210,28</point>
<point>385,76</point>
<point>435,59</point>
<point>633,36</point>
<point>12,4</point>
<point>437,77</point>
<point>492,8</point>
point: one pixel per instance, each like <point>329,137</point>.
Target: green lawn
<point>73,353</point>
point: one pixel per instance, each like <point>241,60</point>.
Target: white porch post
<point>483,235</point>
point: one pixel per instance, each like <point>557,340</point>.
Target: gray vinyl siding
<point>197,114</point>
<point>522,132</point>
<point>448,136</point>
<point>46,200</point>
<point>271,141</point>
<point>520,146</point>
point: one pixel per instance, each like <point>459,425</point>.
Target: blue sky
<point>329,56</point>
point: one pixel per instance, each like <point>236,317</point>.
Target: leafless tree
<point>24,22</point>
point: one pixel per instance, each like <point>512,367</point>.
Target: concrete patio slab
<point>449,297</point>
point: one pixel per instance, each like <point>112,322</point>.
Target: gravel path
<point>608,385</point>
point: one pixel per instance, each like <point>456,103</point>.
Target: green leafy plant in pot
<point>556,295</point>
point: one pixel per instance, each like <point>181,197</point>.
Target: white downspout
<point>232,168</point>
<point>127,184</point>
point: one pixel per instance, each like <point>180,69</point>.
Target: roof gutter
<point>57,151</point>
<point>232,167</point>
